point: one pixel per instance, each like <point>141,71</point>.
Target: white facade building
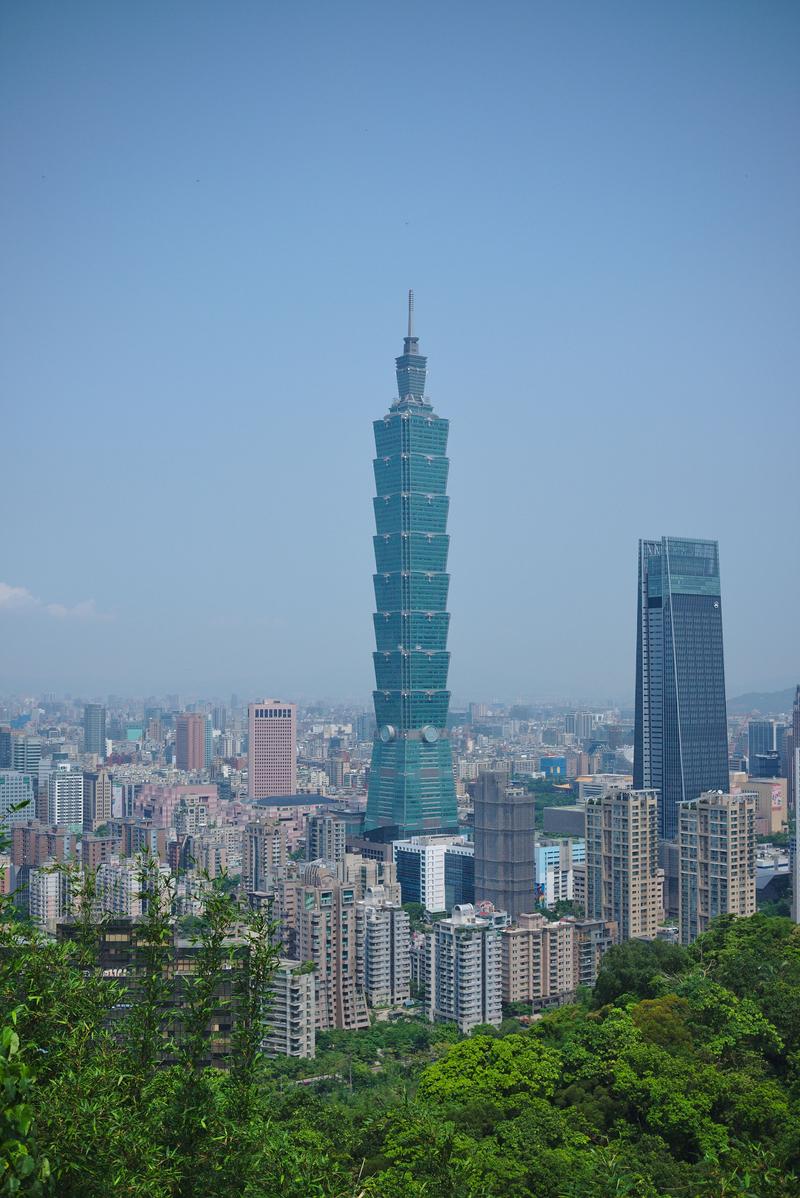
<point>466,971</point>
<point>65,796</point>
<point>48,896</point>
<point>384,940</point>
<point>420,869</point>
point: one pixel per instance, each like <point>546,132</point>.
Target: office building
<point>505,864</point>
<point>98,797</point>
<point>411,784</point>
<point>208,741</point>
<point>622,872</point>
<point>717,869</point>
<point>291,1021</point>
<point>17,796</point>
<point>65,796</point>
<point>565,821</point>
<point>760,740</point>
<point>765,765</point>
<point>5,747</point>
<point>94,729</point>
<point>680,735</point>
<point>465,971</point>
<point>325,838</point>
<point>459,875</point>
<point>271,749</point>
<point>555,869</point>
<point>26,753</point>
<point>318,923</point>
<point>420,869</point>
<point>190,741</point>
<point>384,936</point>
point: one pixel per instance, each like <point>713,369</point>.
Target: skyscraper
<point>411,785</point>
<point>680,736</point>
<point>271,748</point>
<point>94,729</point>
<point>190,733</point>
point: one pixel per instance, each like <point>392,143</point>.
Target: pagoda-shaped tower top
<point>411,366</point>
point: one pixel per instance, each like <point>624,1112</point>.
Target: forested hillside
<point>680,1076</point>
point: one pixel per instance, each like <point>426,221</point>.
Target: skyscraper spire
<point>411,365</point>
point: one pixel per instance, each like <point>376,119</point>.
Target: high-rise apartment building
<point>291,1022</point>
<point>544,961</point>
<point>271,749</point>
<point>326,836</point>
<point>264,855</point>
<point>505,861</point>
<point>465,971</point>
<point>65,796</point>
<point>411,784</point>
<point>190,741</point>
<point>384,935</point>
<point>622,880</point>
<point>94,729</point>
<point>318,923</point>
<point>717,870</point>
<point>680,735</point>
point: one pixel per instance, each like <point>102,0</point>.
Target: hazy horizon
<point>211,217</point>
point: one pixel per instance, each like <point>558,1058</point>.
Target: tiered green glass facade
<point>411,785</point>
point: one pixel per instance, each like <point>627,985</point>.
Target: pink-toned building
<point>201,804</point>
<point>272,749</point>
<point>190,741</point>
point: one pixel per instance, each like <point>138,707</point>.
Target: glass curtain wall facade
<point>680,735</point>
<point>411,785</point>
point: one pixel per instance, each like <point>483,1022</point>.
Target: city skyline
<point>611,294</point>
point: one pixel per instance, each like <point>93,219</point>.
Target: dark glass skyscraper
<point>681,734</point>
<point>411,785</point>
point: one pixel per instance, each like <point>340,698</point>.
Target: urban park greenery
<point>679,1076</point>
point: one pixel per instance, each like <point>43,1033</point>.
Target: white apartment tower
<point>271,749</point>
<point>290,1030</point>
<point>465,971</point>
<point>384,945</point>
<point>65,796</point>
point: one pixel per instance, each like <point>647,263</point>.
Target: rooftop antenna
<point>411,313</point>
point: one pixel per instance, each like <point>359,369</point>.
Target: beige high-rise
<point>622,881</point>
<point>717,871</point>
<point>319,924</point>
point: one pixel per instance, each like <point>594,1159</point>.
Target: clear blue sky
<point>210,214</point>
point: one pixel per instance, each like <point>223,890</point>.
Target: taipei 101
<point>399,640</point>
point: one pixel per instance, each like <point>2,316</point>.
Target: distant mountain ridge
<point>766,702</point>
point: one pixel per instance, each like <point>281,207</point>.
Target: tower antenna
<point>411,313</point>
